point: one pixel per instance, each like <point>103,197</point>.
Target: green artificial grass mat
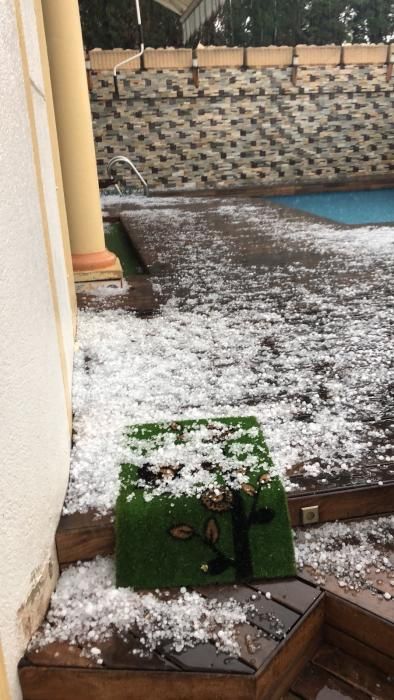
<point>118,242</point>
<point>221,534</point>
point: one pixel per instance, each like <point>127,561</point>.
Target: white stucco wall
<point>34,427</point>
<point>48,173</point>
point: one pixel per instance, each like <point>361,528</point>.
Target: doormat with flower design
<point>198,505</point>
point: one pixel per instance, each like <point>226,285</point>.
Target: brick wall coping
<point>249,57</point>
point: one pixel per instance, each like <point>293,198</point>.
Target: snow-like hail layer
<point>304,346</point>
<point>353,552</point>
<point>87,608</point>
<point>184,461</point>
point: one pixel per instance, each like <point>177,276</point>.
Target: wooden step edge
<point>44,681</point>
<point>344,504</point>
<point>364,626</point>
<point>347,668</point>
<point>358,649</point>
<point>82,536</point>
<point>61,683</point>
<point>276,676</point>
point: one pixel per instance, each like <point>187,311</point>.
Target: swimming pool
<point>358,207</point>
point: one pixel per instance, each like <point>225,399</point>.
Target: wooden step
<point>83,536</point>
<point>333,645</point>
<point>356,659</point>
<point>264,670</point>
<point>340,675</point>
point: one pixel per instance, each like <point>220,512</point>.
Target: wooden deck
<point>338,643</point>
<point>332,644</point>
<point>166,261</point>
<point>264,669</point>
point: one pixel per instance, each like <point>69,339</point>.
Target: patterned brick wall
<point>247,126</point>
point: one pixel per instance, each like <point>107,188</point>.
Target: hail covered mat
<point>198,505</point>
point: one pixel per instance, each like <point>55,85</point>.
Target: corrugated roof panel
<point>193,14</point>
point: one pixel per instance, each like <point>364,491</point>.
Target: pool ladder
<point>122,159</point>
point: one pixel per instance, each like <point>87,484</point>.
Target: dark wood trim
<point>358,649</point>
<point>111,218</point>
<point>348,669</point>
<point>316,682</point>
<point>283,666</point>
<point>306,187</point>
<point>84,535</point>
<point>59,683</point>
<point>342,504</point>
<point>364,626</point>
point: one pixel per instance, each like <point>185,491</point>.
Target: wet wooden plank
<point>255,647</point>
<point>355,672</point>
<point>277,674</point>
<point>293,593</point>
<point>115,653</point>
<point>314,682</point>
<point>383,581</point>
<point>374,604</point>
<point>205,658</point>
<point>363,625</point>
<point>118,653</point>
<point>267,611</point>
<point>358,649</point>
<point>60,653</point>
<point>48,683</point>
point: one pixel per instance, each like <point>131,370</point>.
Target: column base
<point>83,262</point>
<point>113,272</point>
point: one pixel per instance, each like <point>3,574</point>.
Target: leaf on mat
<point>182,532</point>
<point>249,489</point>
<point>212,531</point>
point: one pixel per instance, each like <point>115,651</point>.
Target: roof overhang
<point>193,14</point>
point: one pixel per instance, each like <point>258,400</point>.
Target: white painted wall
<point>48,174</point>
<point>34,429</point>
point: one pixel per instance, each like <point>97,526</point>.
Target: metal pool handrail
<point>128,162</point>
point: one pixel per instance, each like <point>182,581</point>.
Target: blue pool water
<point>359,207</point>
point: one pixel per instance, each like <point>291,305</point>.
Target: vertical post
<point>294,67</point>
<point>75,134</point>
<point>342,57</point>
<point>389,62</point>
<point>195,75</point>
